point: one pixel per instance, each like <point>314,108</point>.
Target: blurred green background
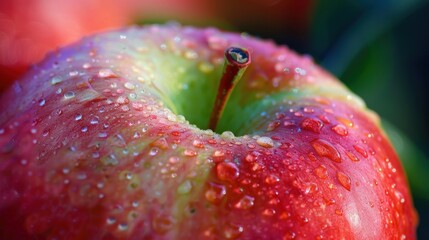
<point>379,49</point>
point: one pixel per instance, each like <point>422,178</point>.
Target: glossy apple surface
<point>98,142</point>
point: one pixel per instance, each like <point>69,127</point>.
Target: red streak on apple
<point>92,146</point>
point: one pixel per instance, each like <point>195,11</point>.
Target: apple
<point>109,139</point>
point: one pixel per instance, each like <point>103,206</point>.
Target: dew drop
<point>190,153</point>
<point>198,143</point>
<point>352,156</point>
<point>106,73</point>
<point>42,102</point>
<point>55,80</point>
<point>326,149</point>
<point>313,125</point>
<point>321,171</point>
<point>340,130</point>
<point>185,187</point>
<point>86,66</point>
<point>273,125</point>
<point>215,193</point>
<point>69,95</point>
<point>311,188</point>
<point>269,212</point>
<point>265,142</point>
<point>361,151</point>
<point>129,86</point>
<point>232,231</point>
<point>110,220</point>
<point>227,135</point>
<point>227,171</point>
<point>78,117</point>
<point>344,180</point>
<point>94,121</point>
<point>123,226</point>
<point>162,224</point>
<point>272,179</point>
<point>73,73</point>
<point>245,202</point>
<point>102,135</point>
<point>153,151</point>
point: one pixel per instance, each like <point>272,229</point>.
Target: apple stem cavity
<point>236,62</point>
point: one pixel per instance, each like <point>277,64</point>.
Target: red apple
<point>98,142</point>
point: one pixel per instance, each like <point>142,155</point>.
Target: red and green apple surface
<point>108,139</point>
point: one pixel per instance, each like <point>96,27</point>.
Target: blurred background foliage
<point>379,49</point>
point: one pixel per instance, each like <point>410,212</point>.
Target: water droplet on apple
<point>55,80</point>
<point>185,187</point>
<point>198,143</point>
<point>86,66</point>
<point>106,73</point>
<point>190,153</point>
<point>321,171</point>
<point>122,226</point>
<point>352,156</point>
<point>227,171</point>
<point>269,212</point>
<point>227,135</point>
<point>94,120</point>
<point>73,73</point>
<point>110,220</point>
<point>339,212</point>
<point>232,231</point>
<point>102,135</point>
<point>273,125</point>
<point>326,149</point>
<point>340,130</point>
<point>153,151</point>
<point>162,224</point>
<point>110,160</point>
<point>42,102</point>
<point>311,188</point>
<point>84,129</point>
<point>129,86</point>
<point>215,192</point>
<point>289,235</point>
<point>272,179</point>
<point>265,142</point>
<point>344,180</point>
<point>245,202</point>
<point>78,117</point>
<point>69,95</point>
<point>361,151</point>
<point>313,125</point>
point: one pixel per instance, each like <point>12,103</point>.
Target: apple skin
<point>89,148</point>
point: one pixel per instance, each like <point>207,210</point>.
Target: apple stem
<point>236,62</point>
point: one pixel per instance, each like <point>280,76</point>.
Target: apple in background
<point>30,29</point>
<point>108,139</point>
